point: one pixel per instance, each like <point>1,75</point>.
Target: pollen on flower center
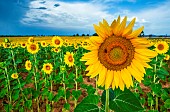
<point>116,53</point>
<point>160,47</point>
<point>33,47</point>
<point>47,67</point>
<point>57,41</point>
<point>70,58</point>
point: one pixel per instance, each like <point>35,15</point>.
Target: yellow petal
<point>129,28</point>
<point>138,65</point>
<point>99,31</point>
<point>91,61</point>
<point>113,25</point>
<point>109,79</point>
<point>116,78</point>
<point>96,71</point>
<point>146,52</point>
<point>141,58</point>
<point>121,84</point>
<point>96,39</point>
<point>102,76</point>
<point>136,74</point>
<point>121,27</point>
<point>125,76</point>
<point>135,33</point>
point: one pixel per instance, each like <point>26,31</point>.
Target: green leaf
<point>50,96</point>
<point>15,95</point>
<point>90,90</point>
<point>156,88</point>
<point>48,108</point>
<point>28,104</point>
<point>76,94</point>
<point>80,79</point>
<point>125,101</point>
<point>88,104</point>
<point>67,106</point>
<point>3,92</point>
<point>162,73</point>
<point>167,104</point>
<point>111,96</point>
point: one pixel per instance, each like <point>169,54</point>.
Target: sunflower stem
<point>107,101</point>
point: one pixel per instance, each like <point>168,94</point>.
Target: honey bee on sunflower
<point>117,54</point>
<point>69,59</point>
<point>32,48</point>
<point>47,68</point>
<point>57,41</point>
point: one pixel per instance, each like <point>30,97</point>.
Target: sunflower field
<point>116,71</point>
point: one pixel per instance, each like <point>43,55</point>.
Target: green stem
<point>64,89</point>
<point>107,101</point>
<point>76,79</point>
<point>9,88</point>
<point>156,106</point>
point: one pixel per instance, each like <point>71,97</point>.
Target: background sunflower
<point>161,47</point>
<point>69,59</point>
<point>28,65</point>
<point>32,48</point>
<point>117,54</point>
<point>47,68</point>
<point>57,41</point>
<point>14,76</point>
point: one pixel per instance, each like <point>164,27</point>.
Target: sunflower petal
<point>116,78</point>
<point>102,76</point>
<point>135,33</point>
<point>146,52</point>
<point>109,79</point>
<point>129,28</point>
<point>121,27</point>
<point>121,84</point>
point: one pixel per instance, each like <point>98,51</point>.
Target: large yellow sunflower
<point>161,47</point>
<point>33,48</point>
<point>14,76</point>
<point>28,65</point>
<point>117,54</point>
<point>47,68</point>
<point>57,41</point>
<point>69,59</point>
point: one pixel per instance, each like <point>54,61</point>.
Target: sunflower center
<point>116,53</point>
<point>47,67</point>
<point>70,58</point>
<point>57,42</point>
<point>160,47</point>
<point>43,43</point>
<point>29,65</point>
<point>23,44</point>
<point>33,47</point>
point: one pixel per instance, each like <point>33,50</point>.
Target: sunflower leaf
<point>88,104</point>
<point>125,101</point>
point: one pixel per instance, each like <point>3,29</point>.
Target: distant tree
<point>150,35</point>
<point>74,35</point>
<point>87,35</point>
<point>77,34</point>
<point>83,35</point>
<point>95,34</point>
<point>142,34</point>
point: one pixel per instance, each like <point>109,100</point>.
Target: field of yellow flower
<point>115,71</point>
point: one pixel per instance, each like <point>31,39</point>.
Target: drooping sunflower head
<point>28,65</point>
<point>57,41</point>
<point>161,47</point>
<point>43,44</point>
<point>30,39</point>
<point>47,68</point>
<point>117,54</point>
<point>32,48</point>
<point>167,57</point>
<point>69,59</point>
<point>14,76</point>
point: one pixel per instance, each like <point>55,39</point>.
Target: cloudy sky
<point>68,17</point>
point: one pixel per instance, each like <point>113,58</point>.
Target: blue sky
<point>68,17</point>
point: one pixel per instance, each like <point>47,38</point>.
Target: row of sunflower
<point>40,76</point>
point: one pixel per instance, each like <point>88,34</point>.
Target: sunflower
<point>28,65</point>
<point>62,68</point>
<point>47,68</point>
<point>117,54</point>
<point>166,57</point>
<point>57,41</point>
<point>23,44</point>
<point>33,48</point>
<point>56,49</point>
<point>43,44</point>
<point>69,59</point>
<point>30,39</point>
<point>161,47</point>
<point>14,76</point>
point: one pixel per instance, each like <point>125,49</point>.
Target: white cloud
<point>82,15</point>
